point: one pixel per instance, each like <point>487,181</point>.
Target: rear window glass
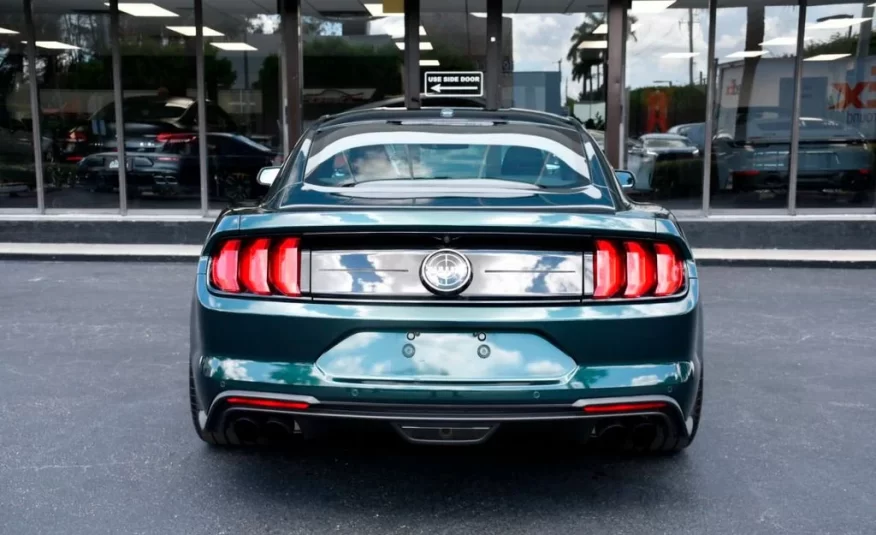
<point>145,110</point>
<point>542,157</point>
<point>667,143</point>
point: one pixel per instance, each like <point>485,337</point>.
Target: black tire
<point>677,444</point>
<point>213,439</point>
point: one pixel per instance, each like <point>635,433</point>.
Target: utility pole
<point>690,44</point>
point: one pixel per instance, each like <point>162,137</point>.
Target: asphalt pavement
<point>95,435</point>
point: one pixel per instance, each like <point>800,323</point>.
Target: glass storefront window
<point>837,108</point>
<point>755,50</point>
<point>75,80</point>
<point>243,100</point>
<point>666,68</point>
<point>17,170</point>
<point>159,105</point>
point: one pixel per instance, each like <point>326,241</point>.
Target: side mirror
<point>627,179</point>
<point>267,175</point>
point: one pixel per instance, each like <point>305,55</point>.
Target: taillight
<point>76,136</point>
<point>260,266</point>
<point>633,269</point>
<point>172,136</point>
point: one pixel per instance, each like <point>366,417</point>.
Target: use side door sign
<point>454,84</point>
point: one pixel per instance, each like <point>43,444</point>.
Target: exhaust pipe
<point>613,436</point>
<point>246,430</point>
<point>277,431</point>
<point>643,435</point>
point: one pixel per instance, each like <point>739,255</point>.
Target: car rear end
<point>311,313</point>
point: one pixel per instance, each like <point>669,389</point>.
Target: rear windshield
<point>667,143</point>
<point>146,110</point>
<point>526,155</point>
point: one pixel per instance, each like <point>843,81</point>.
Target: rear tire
<point>676,444</point>
<point>213,439</point>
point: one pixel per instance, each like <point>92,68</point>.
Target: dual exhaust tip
<point>249,431</point>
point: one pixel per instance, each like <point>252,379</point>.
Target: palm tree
<point>754,33</point>
<point>584,59</point>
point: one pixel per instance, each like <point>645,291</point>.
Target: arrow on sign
<point>437,88</point>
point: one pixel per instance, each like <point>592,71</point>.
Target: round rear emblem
<point>445,272</point>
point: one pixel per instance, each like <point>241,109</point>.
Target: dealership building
<point>774,103</point>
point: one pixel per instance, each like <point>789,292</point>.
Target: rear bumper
<point>275,349</point>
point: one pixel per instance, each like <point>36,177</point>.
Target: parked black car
<point>147,119</point>
<point>234,162</point>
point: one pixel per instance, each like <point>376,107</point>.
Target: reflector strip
<point>625,407</point>
<point>268,403</point>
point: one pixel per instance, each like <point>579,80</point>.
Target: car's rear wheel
<point>676,442</point>
<point>213,439</point>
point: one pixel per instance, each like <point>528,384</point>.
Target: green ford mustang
<point>447,273</point>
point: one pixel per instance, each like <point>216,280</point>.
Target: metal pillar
<point>710,108</point>
<point>614,79</point>
<point>203,157</point>
<point>291,69</point>
<point>412,54</point>
<point>115,44</point>
<point>794,153</point>
<point>35,109</point>
<point>493,89</point>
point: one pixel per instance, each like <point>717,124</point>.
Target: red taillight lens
<point>267,403</point>
<point>169,136</point>
<point>640,270</point>
<point>286,267</point>
<point>615,408</point>
<point>224,267</point>
<point>254,266</point>
<point>633,269</point>
<point>609,269</point>
<point>261,266</point>
<point>670,270</point>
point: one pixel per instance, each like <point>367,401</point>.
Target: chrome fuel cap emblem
<point>446,272</point>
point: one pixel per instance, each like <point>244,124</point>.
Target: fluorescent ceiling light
<point>399,32</point>
<point>747,54</point>
<point>835,24</point>
<point>424,45</point>
<point>781,41</point>
<point>234,46</point>
<point>189,31</point>
<point>375,9</point>
<point>54,45</point>
<point>593,44</point>
<point>429,63</point>
<point>143,10</point>
<point>827,57</point>
<point>650,6</point>
<point>602,29</point>
<point>4,30</point>
<point>680,55</point>
<point>484,15</point>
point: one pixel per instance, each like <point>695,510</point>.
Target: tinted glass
<point>452,153</point>
<point>667,143</point>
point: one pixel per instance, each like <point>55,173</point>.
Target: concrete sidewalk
<point>189,253</point>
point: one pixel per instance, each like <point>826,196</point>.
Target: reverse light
<point>634,269</point>
<point>260,266</point>
<point>620,408</point>
<point>262,403</point>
